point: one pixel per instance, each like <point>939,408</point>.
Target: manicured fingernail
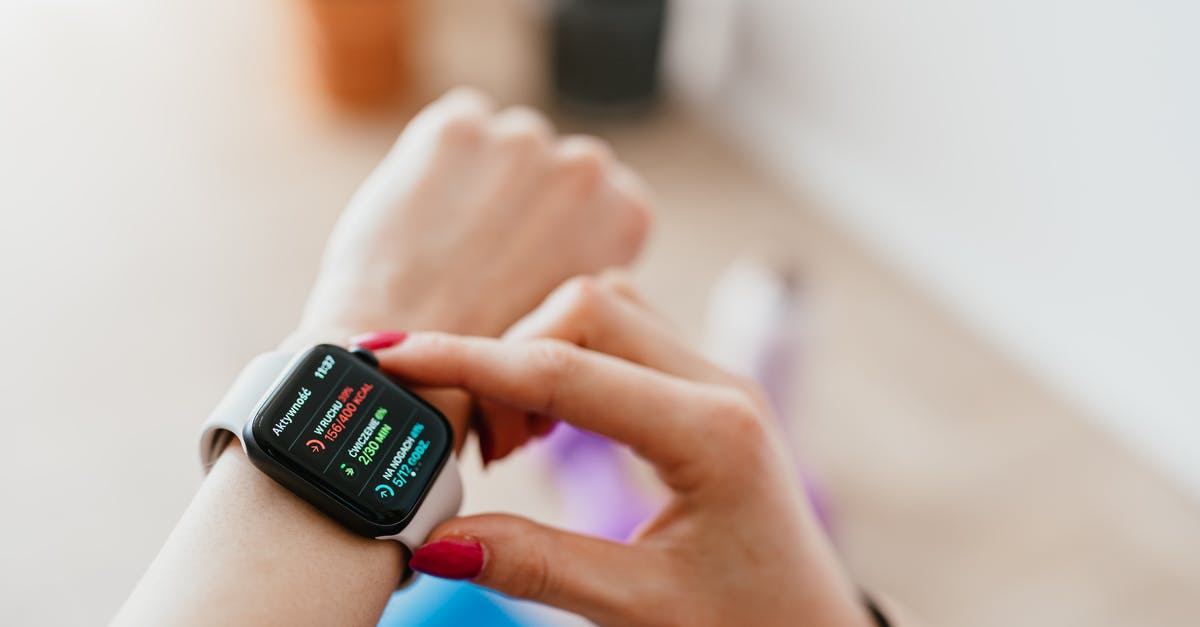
<point>378,340</point>
<point>545,425</point>
<point>449,559</point>
<point>487,446</point>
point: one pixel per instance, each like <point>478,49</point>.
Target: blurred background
<point>991,207</point>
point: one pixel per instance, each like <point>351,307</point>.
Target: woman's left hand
<point>471,219</point>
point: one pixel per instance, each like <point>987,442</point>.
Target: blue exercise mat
<point>433,602</point>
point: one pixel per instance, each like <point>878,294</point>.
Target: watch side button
<point>367,356</point>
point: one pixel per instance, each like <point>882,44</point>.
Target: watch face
<point>344,429</point>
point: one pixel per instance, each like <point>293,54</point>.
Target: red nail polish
<point>378,340</point>
<point>449,559</point>
<point>487,445</point>
<point>544,426</point>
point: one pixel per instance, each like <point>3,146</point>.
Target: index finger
<point>638,406</point>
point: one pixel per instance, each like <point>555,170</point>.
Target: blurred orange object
<point>364,49</point>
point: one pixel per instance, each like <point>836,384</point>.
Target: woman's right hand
<point>736,544</point>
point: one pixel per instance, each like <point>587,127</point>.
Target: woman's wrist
<point>340,309</point>
<point>268,558</point>
<point>299,534</point>
<point>339,331</point>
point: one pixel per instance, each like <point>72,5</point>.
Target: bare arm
<point>247,551</point>
<point>467,224</point>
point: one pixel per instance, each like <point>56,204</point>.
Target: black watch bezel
<point>313,488</point>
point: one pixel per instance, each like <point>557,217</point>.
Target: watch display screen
<point>349,431</point>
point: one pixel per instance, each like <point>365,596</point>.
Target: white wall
<point>1034,164</point>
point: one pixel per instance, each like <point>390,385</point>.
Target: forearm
<point>415,250</point>
<point>247,551</point>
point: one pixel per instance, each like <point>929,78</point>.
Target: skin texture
<point>466,225</point>
<point>471,219</point>
<point>736,544</point>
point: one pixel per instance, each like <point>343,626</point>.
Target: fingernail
<point>449,559</point>
<point>378,340</point>
<point>545,426</point>
<point>487,447</point>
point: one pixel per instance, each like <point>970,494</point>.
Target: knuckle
<point>750,387</point>
<point>736,418</point>
<point>640,215</point>
<point>574,310</point>
<point>585,159</point>
<point>585,296</point>
<point>535,578</point>
<point>554,360</point>
<point>521,129</point>
<point>637,225</point>
<point>590,306</point>
<point>726,405</point>
<point>519,141</point>
<point>461,128</point>
<point>630,208</point>
<point>552,355</point>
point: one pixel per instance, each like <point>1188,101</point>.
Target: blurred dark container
<point>606,53</point>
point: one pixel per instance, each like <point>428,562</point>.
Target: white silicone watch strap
<point>441,503</point>
<point>231,414</point>
<point>241,402</point>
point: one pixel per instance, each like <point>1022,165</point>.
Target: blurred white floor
<point>166,182</point>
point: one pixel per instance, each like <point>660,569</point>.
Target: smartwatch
<point>328,425</point>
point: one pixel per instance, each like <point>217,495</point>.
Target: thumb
<point>515,556</point>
